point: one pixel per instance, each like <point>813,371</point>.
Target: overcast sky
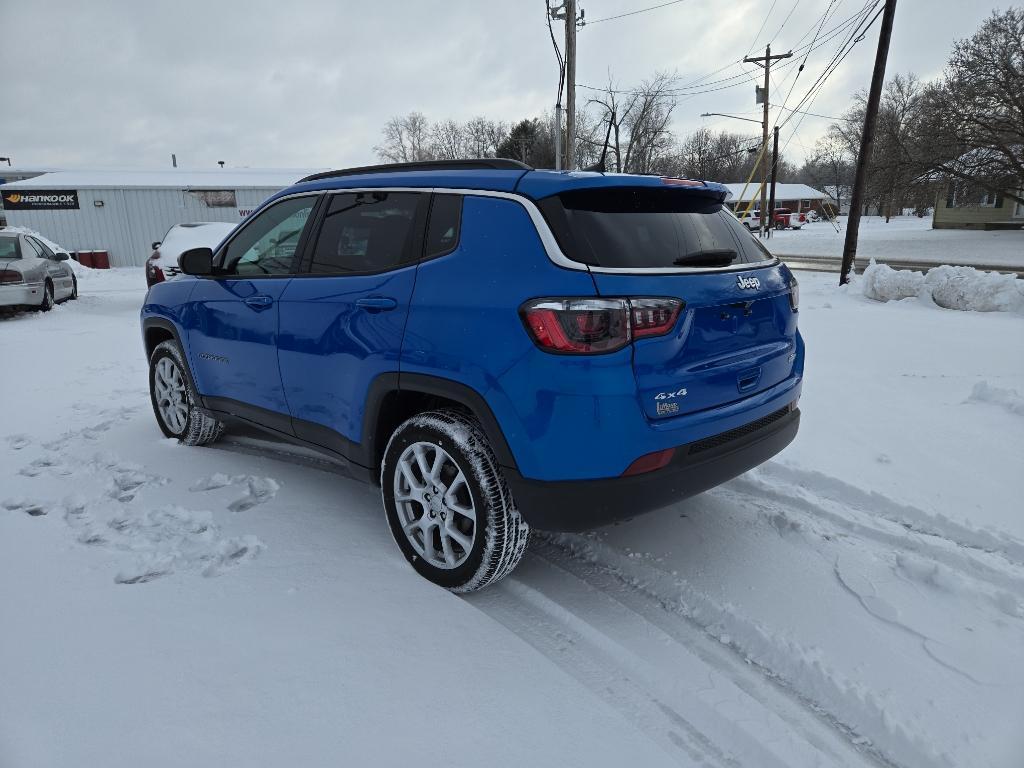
<point>309,83</point>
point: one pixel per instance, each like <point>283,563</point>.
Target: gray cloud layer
<point>304,84</point>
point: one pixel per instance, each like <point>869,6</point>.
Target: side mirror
<point>156,244</point>
<point>61,256</point>
<point>196,261</point>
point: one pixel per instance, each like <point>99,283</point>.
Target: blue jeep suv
<point>499,347</point>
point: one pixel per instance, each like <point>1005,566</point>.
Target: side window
<point>443,229</point>
<point>367,232</point>
<point>47,253</point>
<point>34,250</point>
<point>267,245</point>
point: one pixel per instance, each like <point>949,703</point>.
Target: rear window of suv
<point>643,228</point>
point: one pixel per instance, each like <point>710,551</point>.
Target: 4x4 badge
<point>748,282</point>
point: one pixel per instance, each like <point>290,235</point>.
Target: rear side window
<point>9,248</point>
<point>443,229</point>
<point>367,232</point>
<point>630,228</point>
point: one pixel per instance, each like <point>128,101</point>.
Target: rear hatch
<point>736,334</point>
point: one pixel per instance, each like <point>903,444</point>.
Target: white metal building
<point>123,212</point>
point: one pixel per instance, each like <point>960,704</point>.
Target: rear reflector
<point>650,462</point>
<point>585,326</point>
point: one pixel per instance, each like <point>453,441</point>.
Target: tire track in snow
<point>685,689</point>
<point>823,502</point>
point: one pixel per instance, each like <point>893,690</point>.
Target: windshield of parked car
<point>9,248</point>
<point>648,228</point>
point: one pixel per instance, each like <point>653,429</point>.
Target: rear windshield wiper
<point>720,257</point>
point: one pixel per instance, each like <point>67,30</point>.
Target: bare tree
<point>406,139</point>
<point>641,140</point>
<point>975,113</point>
<point>829,168</point>
<point>448,140</point>
<point>483,137</point>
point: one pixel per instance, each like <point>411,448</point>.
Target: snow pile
<point>967,288</point>
<point>1008,399</point>
<point>963,288</point>
<point>883,283</point>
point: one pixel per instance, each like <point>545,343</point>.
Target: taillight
<point>794,294</point>
<point>10,277</point>
<point>653,317</point>
<point>594,326</point>
<point>578,326</point>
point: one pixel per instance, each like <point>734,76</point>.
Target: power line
<point>634,13</point>
<point>745,75</point>
<point>812,114</point>
<point>761,28</point>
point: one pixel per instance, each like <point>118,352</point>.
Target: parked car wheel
<point>174,400</point>
<point>74,289</point>
<point>47,303</point>
<point>447,503</point>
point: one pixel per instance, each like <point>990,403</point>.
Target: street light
<point>6,160</point>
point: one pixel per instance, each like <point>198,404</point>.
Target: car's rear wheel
<point>447,503</point>
<point>74,289</point>
<point>175,401</point>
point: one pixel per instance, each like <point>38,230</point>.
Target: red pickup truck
<point>783,218</point>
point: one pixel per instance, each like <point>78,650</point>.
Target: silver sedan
<point>32,275</point>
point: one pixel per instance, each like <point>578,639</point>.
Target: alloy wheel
<point>171,394</point>
<point>435,506</point>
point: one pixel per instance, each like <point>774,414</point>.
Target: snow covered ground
<point>904,238</point>
<point>859,601</point>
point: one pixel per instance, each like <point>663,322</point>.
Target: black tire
<point>501,534</point>
<point>199,427</point>
<point>74,288</point>
<point>47,303</point>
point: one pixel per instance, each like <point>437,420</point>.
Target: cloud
<point>309,84</point>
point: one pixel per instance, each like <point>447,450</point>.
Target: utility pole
<point>766,62</point>
<point>558,135</point>
<point>867,141</point>
<point>570,82</point>
<point>775,173</point>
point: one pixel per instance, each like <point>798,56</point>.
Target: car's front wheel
<point>175,401</point>
<point>447,503</point>
<point>47,303</point>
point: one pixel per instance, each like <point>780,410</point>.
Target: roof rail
<point>476,164</point>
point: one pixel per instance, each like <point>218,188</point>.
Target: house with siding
<point>964,205</point>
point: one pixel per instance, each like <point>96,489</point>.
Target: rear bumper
<point>578,505</point>
<point>20,295</point>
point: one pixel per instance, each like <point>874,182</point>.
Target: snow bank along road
<point>857,602</point>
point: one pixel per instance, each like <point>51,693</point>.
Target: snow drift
<point>963,288</point>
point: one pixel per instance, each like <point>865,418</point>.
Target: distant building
<point>796,197</point>
<point>123,212</point>
<point>963,205</point>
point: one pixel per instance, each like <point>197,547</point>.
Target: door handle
<point>259,301</point>
<point>377,303</point>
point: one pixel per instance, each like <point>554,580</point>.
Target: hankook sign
<point>40,199</point>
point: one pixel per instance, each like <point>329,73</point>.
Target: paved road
<point>832,264</point>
